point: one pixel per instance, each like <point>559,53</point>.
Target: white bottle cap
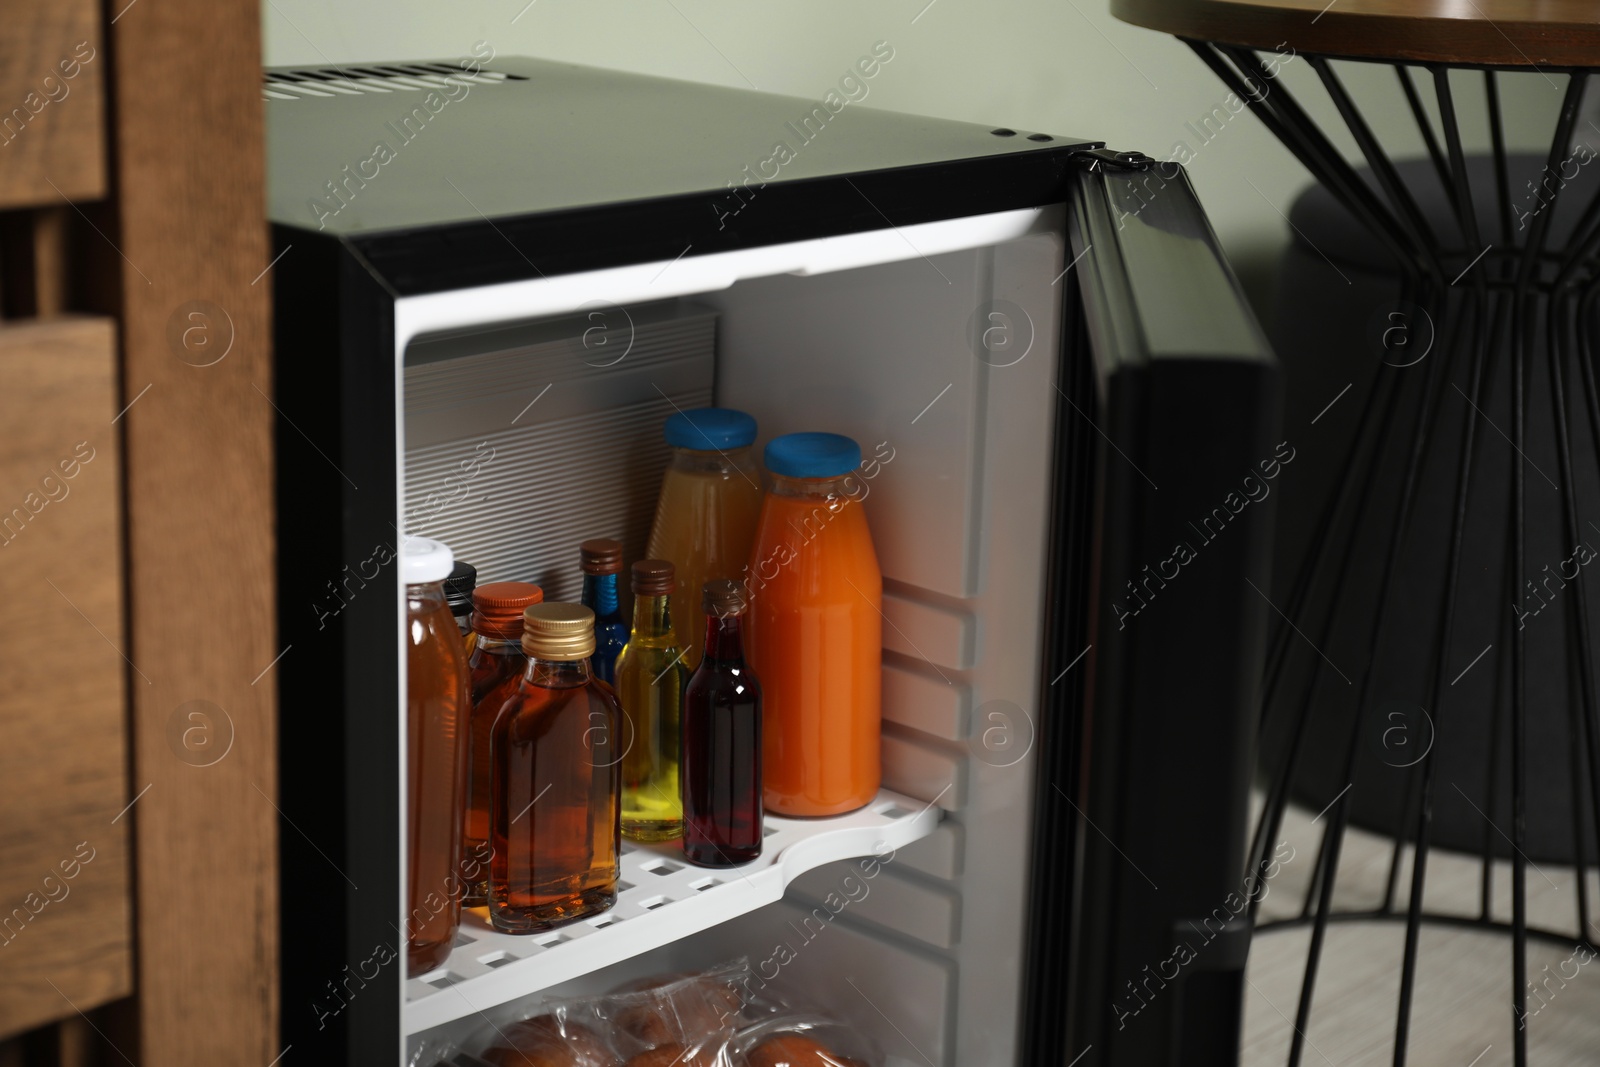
<point>426,561</point>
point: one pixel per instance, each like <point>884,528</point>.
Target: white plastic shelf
<point>661,898</point>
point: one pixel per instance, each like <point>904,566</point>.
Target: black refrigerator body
<point>497,277</point>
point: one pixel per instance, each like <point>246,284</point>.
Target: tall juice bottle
<point>557,781</point>
<point>437,703</point>
<point>706,515</point>
<point>650,679</point>
<point>601,560</point>
<point>495,665</point>
<point>816,629</point>
<point>721,768</point>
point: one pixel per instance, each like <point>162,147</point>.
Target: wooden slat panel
<point>64,909</point>
<point>190,227</point>
<point>75,1043</point>
<point>50,231</point>
<point>35,277</point>
<point>52,111</point>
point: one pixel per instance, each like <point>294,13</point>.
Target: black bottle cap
<point>459,586</point>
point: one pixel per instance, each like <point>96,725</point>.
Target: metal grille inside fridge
<point>522,442</point>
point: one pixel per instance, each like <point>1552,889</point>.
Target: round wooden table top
<point>1501,33</point>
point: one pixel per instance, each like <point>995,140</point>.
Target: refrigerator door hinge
<point>1097,158</point>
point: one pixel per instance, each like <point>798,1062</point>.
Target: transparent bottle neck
<point>652,616</point>
<point>500,646</point>
<point>726,461</point>
<point>724,637</point>
<point>424,596</point>
<point>835,488</point>
<point>556,673</point>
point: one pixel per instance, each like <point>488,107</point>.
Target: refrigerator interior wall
<point>523,442</point>
<point>942,364</point>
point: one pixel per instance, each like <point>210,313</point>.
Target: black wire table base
<point>1513,304</point>
<point>1555,937</point>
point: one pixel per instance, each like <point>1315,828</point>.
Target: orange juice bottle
<point>816,629</point>
<point>706,515</point>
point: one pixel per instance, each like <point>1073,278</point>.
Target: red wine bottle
<point>721,761</point>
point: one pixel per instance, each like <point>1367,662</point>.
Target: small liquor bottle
<point>650,677</point>
<point>722,741</point>
<point>458,594</point>
<point>601,559</point>
<point>436,756</point>
<point>556,783</point>
<point>496,665</point>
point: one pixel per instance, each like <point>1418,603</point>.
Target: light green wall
<point>1061,66</point>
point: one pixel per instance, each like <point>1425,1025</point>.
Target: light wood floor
<point>1461,1012</point>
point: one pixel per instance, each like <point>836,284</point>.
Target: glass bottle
<point>650,677</point>
<point>601,559</point>
<point>458,594</point>
<point>436,756</point>
<point>557,781</point>
<point>721,764</point>
<point>816,629</point>
<point>706,514</point>
<point>496,664</point>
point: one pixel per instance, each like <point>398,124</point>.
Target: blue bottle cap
<point>708,429</point>
<point>812,455</point>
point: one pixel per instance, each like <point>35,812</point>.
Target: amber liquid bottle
<point>557,781</point>
<point>496,665</point>
<point>436,755</point>
<point>650,679</point>
<point>721,764</point>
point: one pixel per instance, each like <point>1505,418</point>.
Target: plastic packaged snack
<point>551,1040</point>
<point>678,1009</point>
<point>794,1041</point>
<point>706,1053</point>
<point>721,1017</point>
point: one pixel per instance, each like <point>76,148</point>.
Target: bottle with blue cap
<point>815,625</point>
<point>706,515</point>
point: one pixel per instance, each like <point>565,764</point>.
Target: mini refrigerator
<point>496,277</point>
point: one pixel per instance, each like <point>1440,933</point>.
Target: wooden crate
<point>52,103</point>
<point>65,910</point>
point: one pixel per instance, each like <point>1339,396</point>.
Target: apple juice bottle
<point>436,756</point>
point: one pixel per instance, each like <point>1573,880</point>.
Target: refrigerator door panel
<point>1185,466</point>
